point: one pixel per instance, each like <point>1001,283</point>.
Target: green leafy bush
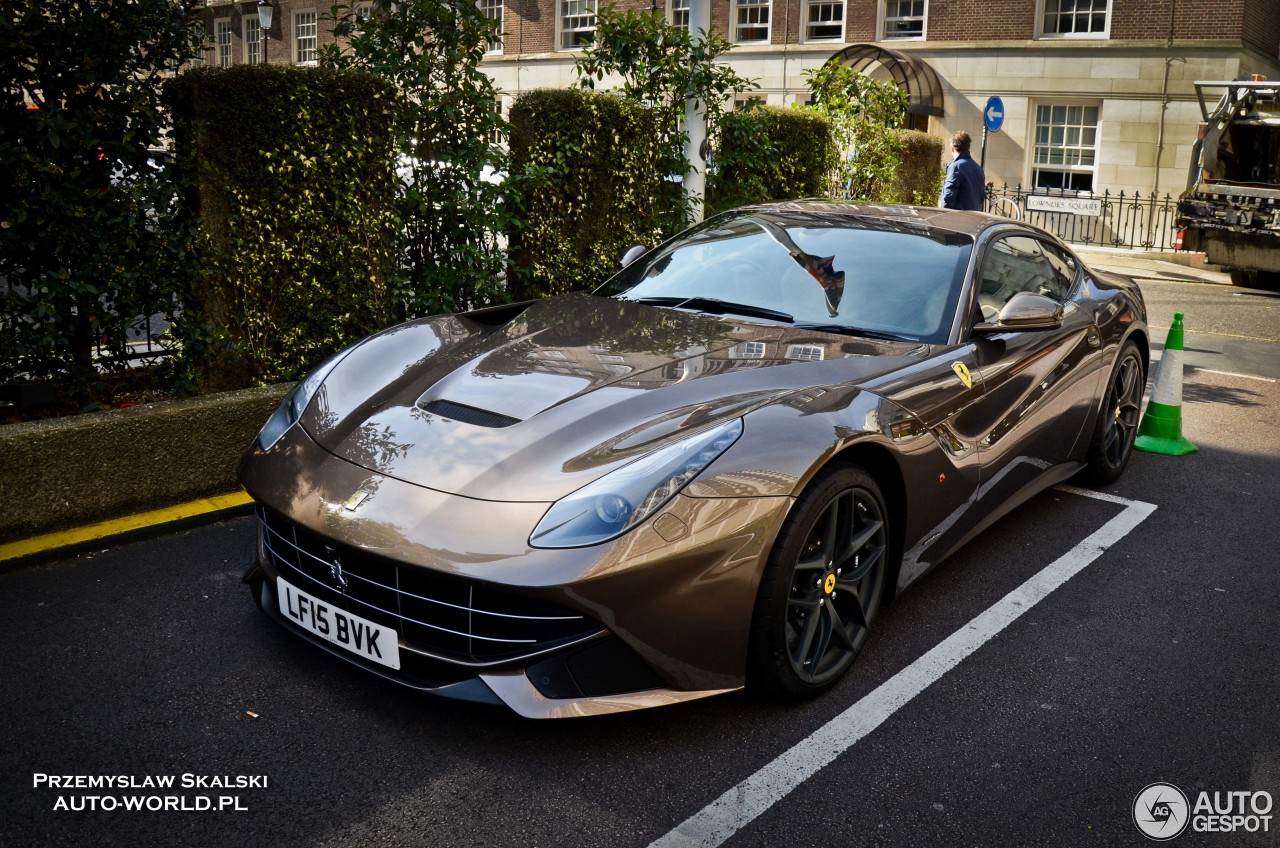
<point>450,256</point>
<point>89,237</point>
<point>662,66</point>
<point>588,177</point>
<point>769,153</point>
<point>920,172</point>
<point>864,115</point>
<point>293,181</point>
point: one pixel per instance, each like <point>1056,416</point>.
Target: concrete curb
<point>71,472</point>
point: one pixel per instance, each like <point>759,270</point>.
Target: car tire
<point>1117,426</point>
<point>821,587</point>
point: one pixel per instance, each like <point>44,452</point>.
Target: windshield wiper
<point>856,331</point>
<point>716,307</point>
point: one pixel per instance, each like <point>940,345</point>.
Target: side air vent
<point>469,414</point>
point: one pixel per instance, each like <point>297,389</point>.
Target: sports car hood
<point>530,404</point>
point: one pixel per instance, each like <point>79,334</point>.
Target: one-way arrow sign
<point>994,114</point>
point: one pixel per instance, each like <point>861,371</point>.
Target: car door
<point>1039,385</point>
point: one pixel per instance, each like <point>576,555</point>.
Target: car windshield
<point>889,277</point>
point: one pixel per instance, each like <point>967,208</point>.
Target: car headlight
<point>623,498</point>
<point>295,403</point>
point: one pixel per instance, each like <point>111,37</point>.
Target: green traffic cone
<point>1161,427</point>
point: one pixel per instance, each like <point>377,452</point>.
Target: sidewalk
<point>1153,265</point>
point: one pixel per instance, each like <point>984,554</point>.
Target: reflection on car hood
<point>568,389</point>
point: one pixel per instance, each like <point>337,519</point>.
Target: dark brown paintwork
<point>597,382</point>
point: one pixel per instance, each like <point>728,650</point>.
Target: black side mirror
<point>633,253</point>
<point>1024,311</point>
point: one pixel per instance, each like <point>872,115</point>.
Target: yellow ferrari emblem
<point>830,585</point>
<point>963,373</point>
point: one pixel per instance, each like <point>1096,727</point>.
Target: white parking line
<point>733,810</point>
<point>1234,374</point>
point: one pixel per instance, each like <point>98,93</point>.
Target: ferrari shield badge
<point>962,371</point>
<point>355,501</point>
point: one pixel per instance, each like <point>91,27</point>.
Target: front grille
<point>445,617</point>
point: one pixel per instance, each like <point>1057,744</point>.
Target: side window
<point>1022,264</point>
<point>1064,268</point>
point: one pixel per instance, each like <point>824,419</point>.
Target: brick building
<point>1082,81</point>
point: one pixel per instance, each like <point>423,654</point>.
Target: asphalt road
<point>1156,662</point>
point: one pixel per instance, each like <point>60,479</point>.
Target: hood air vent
<point>469,414</point>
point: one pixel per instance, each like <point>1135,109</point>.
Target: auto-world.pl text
<point>151,802</point>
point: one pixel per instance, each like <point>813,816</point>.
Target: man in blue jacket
<point>966,185</point>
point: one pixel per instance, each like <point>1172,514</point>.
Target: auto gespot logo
<point>1161,811</point>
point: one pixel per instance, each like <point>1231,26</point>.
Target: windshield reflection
<point>891,275</point>
<point>821,268</point>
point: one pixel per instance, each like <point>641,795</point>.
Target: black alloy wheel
<point>822,587</point>
<point>1117,426</point>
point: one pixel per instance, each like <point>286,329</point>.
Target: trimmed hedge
<point>294,185</point>
<point>587,174</point>
<point>67,472</point>
<point>920,173</point>
<point>770,153</point>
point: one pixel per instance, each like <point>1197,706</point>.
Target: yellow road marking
<point>117,526</point>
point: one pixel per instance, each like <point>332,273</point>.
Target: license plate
<point>358,635</point>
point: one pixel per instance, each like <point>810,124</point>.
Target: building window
<point>905,18</point>
<point>678,13</point>
<point>806,353</point>
<point>252,39</point>
<point>201,33</point>
<point>751,21</point>
<point>577,23</point>
<point>824,20</point>
<point>499,136</point>
<point>304,37</point>
<point>747,102</point>
<point>222,32</point>
<point>1065,147</point>
<point>1075,19</point>
<point>747,350</point>
<point>492,9</point>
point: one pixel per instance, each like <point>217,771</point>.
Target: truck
<point>1231,208</point>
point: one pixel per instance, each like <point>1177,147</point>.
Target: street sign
<point>993,114</point>
<point>1086,206</point>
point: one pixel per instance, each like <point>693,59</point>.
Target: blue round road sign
<point>993,114</point>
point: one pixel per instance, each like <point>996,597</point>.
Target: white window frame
<point>748,350</point>
<point>562,30</point>
<point>295,41</point>
<point>251,36</point>
<point>806,353</point>
<point>805,23</point>
<point>204,51</point>
<point>1042,7</point>
<point>883,19</point>
<point>499,135</point>
<point>739,5</point>
<point>1034,144</point>
<point>222,43</point>
<point>673,9</point>
<point>494,10</point>
<point>360,14</point>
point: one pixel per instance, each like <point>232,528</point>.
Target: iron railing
<point>146,339</point>
<point>1120,219</point>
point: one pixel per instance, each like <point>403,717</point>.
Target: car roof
<point>967,223</point>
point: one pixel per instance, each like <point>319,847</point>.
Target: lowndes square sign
<point>1071,205</point>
